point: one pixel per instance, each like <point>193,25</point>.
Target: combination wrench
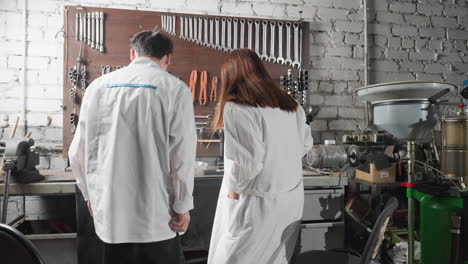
<point>200,31</point>
<point>98,30</point>
<point>229,35</point>
<point>77,25</point>
<point>288,60</point>
<point>242,34</point>
<point>217,34</point>
<point>280,58</point>
<point>174,23</point>
<point>93,30</point>
<point>81,37</point>
<point>195,29</point>
<point>190,19</point>
<point>272,57</point>
<point>236,25</point>
<point>249,34</point>
<point>223,34</point>
<point>88,16</point>
<point>101,17</point>
<point>82,26</point>
<point>103,70</point>
<point>296,63</point>
<point>181,24</point>
<point>211,43</point>
<point>264,55</point>
<point>257,37</point>
<point>205,31</point>
<point>186,28</point>
<point>85,33</point>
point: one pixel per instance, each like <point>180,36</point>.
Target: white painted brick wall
<point>423,40</point>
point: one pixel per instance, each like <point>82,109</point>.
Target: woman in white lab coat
<point>261,199</point>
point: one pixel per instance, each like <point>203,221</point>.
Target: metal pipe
<point>411,205</point>
<point>5,196</point>
<point>366,44</point>
<point>23,70</point>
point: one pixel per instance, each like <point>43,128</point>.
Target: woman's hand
<point>233,196</point>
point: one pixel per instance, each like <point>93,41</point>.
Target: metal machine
<point>401,120</point>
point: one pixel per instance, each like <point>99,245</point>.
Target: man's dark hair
<point>151,43</point>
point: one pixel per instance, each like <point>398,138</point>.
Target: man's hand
<point>180,222</point>
<point>89,208</point>
<point>233,196</point>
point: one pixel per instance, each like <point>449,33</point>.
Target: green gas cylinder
<point>436,226</point>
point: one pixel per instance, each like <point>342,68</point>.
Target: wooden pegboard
<point>119,27</point>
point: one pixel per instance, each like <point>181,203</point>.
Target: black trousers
<point>161,252</point>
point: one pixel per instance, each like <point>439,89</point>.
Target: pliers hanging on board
<point>214,89</point>
<point>193,83</point>
<point>202,98</point>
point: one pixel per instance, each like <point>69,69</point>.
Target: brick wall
<point>410,40</point>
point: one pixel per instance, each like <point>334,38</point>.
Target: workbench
<point>322,226</point>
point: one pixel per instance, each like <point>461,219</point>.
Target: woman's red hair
<point>245,81</point>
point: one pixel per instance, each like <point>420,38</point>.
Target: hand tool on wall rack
<point>118,67</point>
<point>186,28</point>
<point>200,31</point>
<point>211,42</point>
<point>108,68</point>
<point>223,34</point>
<point>195,29</point>
<point>98,31</point>
<point>257,37</point>
<point>85,27</point>
<point>193,84</point>
<point>205,31</point>
<point>73,121</point>
<point>217,46</point>
<point>296,63</point>
<point>181,27</point>
<point>280,58</point>
<point>190,24</point>
<point>103,69</point>
<point>288,60</point>
<point>163,23</point>
<point>203,123</point>
<point>229,35</point>
<point>304,82</point>
<point>84,75</point>
<point>77,25</point>
<point>290,82</point>
<point>214,89</point>
<point>88,17</point>
<point>93,30</point>
<point>101,32</point>
<point>242,33</point>
<point>235,22</point>
<point>264,55</point>
<point>80,29</point>
<point>202,97</point>
<point>272,57</point>
<point>174,23</point>
<point>249,34</point>
<point>209,117</point>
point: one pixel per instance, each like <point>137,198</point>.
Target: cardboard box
<point>376,176</point>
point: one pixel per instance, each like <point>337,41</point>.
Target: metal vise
<point>20,159</point>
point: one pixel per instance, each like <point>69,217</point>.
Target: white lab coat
<point>133,154</point>
<point>263,163</point>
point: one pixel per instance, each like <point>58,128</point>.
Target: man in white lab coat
<point>133,155</point>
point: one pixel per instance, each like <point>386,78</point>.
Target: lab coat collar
<point>145,61</point>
